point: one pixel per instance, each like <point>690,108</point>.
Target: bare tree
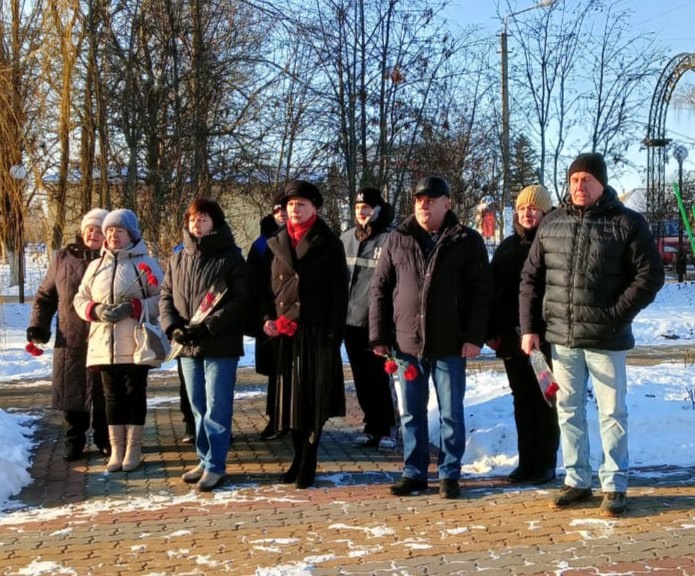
<point>621,68</point>
<point>18,45</point>
<point>378,63</point>
<point>581,79</point>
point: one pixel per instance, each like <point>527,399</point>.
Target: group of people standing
<point>416,300</point>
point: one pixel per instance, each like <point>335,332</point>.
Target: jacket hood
<point>410,225</point>
<point>137,249</point>
<point>382,223</point>
<point>220,238</point>
<point>269,226</point>
<point>607,201</point>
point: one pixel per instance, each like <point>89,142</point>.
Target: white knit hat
<point>95,217</point>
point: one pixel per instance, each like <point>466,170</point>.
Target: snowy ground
<point>661,403</point>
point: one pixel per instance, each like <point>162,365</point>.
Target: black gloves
<point>38,334</point>
<point>100,312</point>
<point>191,334</point>
<point>119,311</point>
<point>197,331</point>
<point>112,312</point>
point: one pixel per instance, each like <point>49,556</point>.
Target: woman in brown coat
<point>76,391</point>
<point>305,310</point>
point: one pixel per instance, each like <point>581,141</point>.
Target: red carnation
<point>390,366</point>
<point>291,328</point>
<point>144,268</point>
<point>551,390</point>
<point>410,373</point>
<point>33,349</point>
<point>152,280</point>
<point>207,302</point>
<point>286,326</point>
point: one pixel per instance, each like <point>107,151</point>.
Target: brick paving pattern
<point>75,519</point>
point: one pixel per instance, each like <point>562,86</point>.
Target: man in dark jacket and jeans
<point>592,267</point>
<point>429,308</point>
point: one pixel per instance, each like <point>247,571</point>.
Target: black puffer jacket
<point>72,383</point>
<point>599,267</point>
<point>507,264</point>
<point>190,274</point>
<point>430,308</point>
<point>362,256</point>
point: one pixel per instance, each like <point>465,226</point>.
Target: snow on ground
<point>657,395</point>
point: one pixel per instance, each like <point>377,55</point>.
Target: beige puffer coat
<point>111,279</point>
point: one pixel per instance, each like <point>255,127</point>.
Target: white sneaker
<point>387,443</point>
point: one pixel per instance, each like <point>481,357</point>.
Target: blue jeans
<point>210,385</point>
<point>449,378</point>
<point>572,368</point>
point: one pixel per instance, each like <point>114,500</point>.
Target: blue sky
<point>672,20</point>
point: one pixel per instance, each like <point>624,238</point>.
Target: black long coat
<point>72,382</point>
<point>308,284</point>
<point>506,265</point>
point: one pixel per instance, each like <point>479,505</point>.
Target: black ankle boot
<point>307,468</point>
<point>290,475</point>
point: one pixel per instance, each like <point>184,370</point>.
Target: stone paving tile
<point>75,519</point>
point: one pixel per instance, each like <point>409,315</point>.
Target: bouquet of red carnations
<point>391,367</point>
<point>211,299</point>
<point>286,326</point>
<point>33,349</point>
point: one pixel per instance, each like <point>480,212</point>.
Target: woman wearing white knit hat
<point>115,290</point>
<point>538,433</point>
<point>76,391</point>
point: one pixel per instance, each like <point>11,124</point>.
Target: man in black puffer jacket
<point>429,307</point>
<point>599,266</point>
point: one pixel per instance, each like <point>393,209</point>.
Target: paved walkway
<point>75,519</point>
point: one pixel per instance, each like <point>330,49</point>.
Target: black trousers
<point>78,422</point>
<point>76,426</point>
<point>372,383</point>
<point>125,390</point>
<point>536,423</point>
<point>184,402</point>
<point>100,428</point>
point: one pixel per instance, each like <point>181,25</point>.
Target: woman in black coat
<point>305,309</point>
<point>77,391</point>
<point>211,345</point>
<point>538,433</point>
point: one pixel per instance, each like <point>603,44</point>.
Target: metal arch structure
<point>656,140</point>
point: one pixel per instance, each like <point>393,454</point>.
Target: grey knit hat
<point>123,218</point>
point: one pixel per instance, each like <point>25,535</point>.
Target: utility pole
<point>506,152</point>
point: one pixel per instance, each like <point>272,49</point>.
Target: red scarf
<point>297,231</point>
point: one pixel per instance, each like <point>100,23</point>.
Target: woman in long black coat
<point>76,391</point>
<point>305,308</point>
<point>538,432</point>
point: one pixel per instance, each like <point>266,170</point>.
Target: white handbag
<point>151,344</point>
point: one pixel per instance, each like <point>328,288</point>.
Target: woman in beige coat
<point>112,296</point>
